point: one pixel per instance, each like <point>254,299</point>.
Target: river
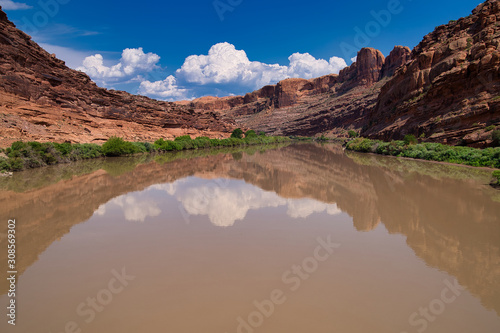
<point>300,238</point>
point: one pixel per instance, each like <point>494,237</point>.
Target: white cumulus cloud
<point>167,89</point>
<point>11,5</point>
<point>225,64</point>
<point>305,66</point>
<point>132,62</point>
<point>224,70</point>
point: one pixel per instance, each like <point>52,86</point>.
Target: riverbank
<point>488,157</point>
<point>29,155</point>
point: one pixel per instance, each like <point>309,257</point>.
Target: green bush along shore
<point>25,155</point>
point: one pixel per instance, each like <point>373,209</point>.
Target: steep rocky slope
<point>307,107</point>
<point>450,90</point>
<point>447,90</point>
<point>42,99</point>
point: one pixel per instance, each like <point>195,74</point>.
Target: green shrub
<point>490,128</point>
<point>16,164</point>
<point>214,143</point>
<point>410,139</point>
<point>18,145</point>
<point>322,138</point>
<point>149,147</point>
<point>362,145</point>
<point>495,136</point>
<point>469,43</point>
<point>496,177</point>
<point>183,138</point>
<point>176,145</point>
<point>160,144</point>
<point>140,147</point>
<point>167,145</point>
<point>184,144</point>
<point>83,151</point>
<point>4,164</point>
<point>50,159</point>
<point>201,142</point>
<point>63,148</point>
<point>262,133</point>
<point>353,134</point>
<point>250,134</point>
<point>489,157</point>
<point>116,146</point>
<point>35,145</point>
<point>22,155</point>
<point>237,133</point>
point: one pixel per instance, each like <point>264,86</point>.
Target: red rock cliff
<point>449,90</point>
<point>306,107</point>
<point>42,99</point>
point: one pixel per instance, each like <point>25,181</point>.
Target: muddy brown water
<point>304,238</point>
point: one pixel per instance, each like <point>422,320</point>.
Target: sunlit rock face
<point>45,100</point>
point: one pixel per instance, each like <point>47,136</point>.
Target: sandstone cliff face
<point>449,90</point>
<point>42,99</point>
<point>397,58</point>
<point>365,71</point>
<point>331,103</point>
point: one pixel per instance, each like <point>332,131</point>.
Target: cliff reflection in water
<point>450,218</point>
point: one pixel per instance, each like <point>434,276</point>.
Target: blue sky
<point>177,50</point>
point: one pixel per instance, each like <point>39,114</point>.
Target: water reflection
<point>449,217</point>
<point>226,202</point>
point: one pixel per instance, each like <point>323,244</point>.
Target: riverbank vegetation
<point>26,155</point>
<point>488,157</point>
<point>496,178</point>
<point>116,166</point>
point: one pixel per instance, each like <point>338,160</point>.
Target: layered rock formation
<point>42,99</point>
<point>447,90</point>
<point>307,107</point>
<point>451,87</point>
